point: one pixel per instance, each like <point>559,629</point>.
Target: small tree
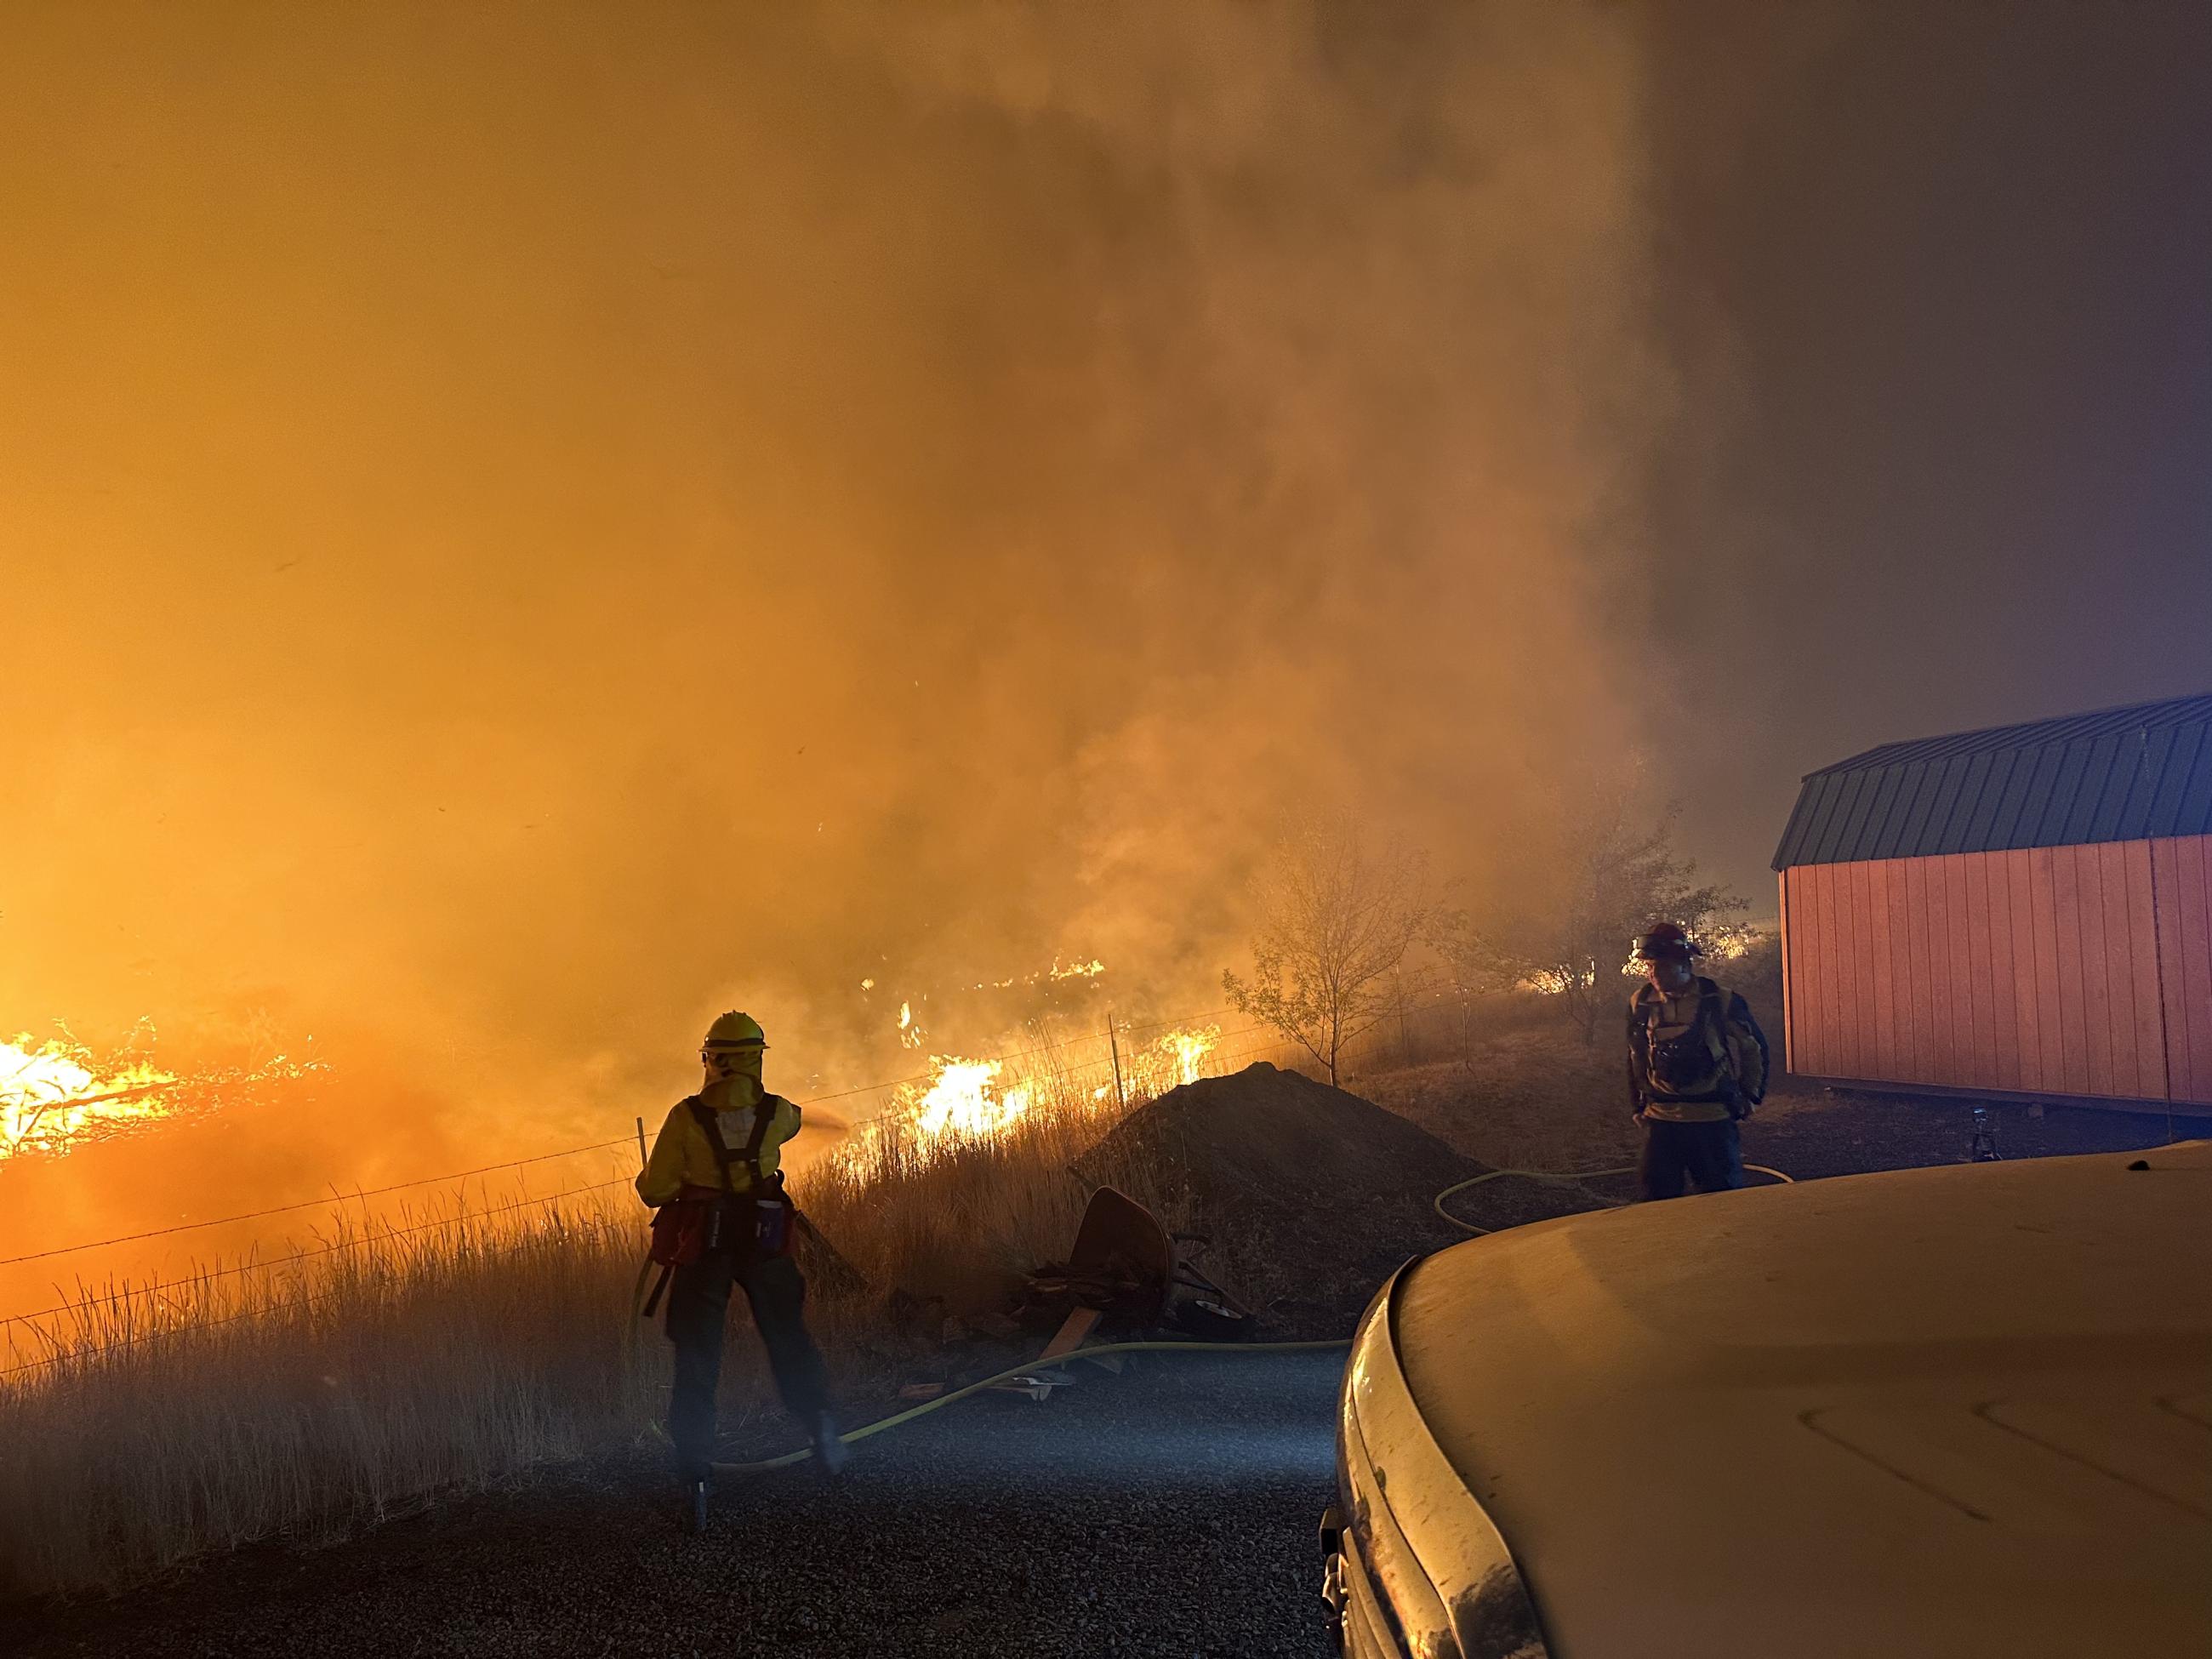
<point>1338,922</point>
<point>1613,870</point>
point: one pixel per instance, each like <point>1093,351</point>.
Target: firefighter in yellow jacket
<point>722,1221</point>
<point>1696,1066</point>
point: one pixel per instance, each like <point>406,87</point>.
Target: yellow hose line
<point>1437,1204</point>
<point>1027,1368</point>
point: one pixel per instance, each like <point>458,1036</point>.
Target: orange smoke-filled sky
<point>527,527</point>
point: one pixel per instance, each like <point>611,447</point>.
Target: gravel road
<point>1165,1512</point>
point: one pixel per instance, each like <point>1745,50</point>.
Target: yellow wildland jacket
<point>682,1163</point>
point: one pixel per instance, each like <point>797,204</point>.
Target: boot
<point>830,1452</point>
<point>694,1508</point>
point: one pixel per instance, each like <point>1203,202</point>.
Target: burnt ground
<point>1166,1511</point>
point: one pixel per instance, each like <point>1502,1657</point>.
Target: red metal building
<point>2026,910</point>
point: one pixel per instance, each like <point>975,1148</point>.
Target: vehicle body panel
<point>1932,1411</point>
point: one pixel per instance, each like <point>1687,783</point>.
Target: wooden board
<point>1865,968</point>
<point>1919,962</point>
<point>2089,970</point>
<point>2073,1000</point>
<point>1829,945</point>
<point>2004,971</point>
<point>2019,886</point>
<point>1984,1068</point>
<point>1941,978</point>
<point>1078,1324</point>
<point>2120,966</point>
<point>2146,1003</point>
<point>1788,973</point>
<point>1884,905</point>
<point>2051,1041</point>
<point>2185,961</point>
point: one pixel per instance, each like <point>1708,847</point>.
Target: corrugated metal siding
<point>2131,773</point>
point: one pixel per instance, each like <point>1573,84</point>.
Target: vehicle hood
<point>1934,1412</point>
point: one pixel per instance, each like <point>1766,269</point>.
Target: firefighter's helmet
<point>734,1032</point>
<point>1666,941</point>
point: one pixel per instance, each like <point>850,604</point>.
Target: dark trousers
<point>1709,1154</point>
<point>698,1308</point>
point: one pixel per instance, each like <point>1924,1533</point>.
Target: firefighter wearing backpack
<point>721,1221</point>
<point>1696,1066</point>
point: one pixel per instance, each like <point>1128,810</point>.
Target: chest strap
<point>708,1120</point>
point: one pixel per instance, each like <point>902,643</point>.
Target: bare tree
<point>1338,921</point>
<point>1608,871</point>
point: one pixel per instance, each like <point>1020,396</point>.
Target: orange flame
<point>970,1100</point>
<point>964,1100</point>
<point>56,1096</point>
<point>51,1098</point>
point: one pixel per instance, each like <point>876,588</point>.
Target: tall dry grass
<point>309,1399</point>
<point>329,1394</point>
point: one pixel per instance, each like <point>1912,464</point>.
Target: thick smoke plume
<point>524,529</point>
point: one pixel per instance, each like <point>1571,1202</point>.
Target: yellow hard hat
<point>736,1030</point>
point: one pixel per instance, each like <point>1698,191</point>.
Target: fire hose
<point>897,1420</point>
<point>1570,1177</point>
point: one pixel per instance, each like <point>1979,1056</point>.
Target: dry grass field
<point>450,1353</point>
<point>182,1418</point>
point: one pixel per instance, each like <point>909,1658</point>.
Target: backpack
<point>1697,1061</point>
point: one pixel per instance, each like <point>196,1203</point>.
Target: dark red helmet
<point>1666,941</point>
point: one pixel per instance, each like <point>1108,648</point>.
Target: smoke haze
<point>525,531</point>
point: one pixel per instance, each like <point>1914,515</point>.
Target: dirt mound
<point>1310,1195</point>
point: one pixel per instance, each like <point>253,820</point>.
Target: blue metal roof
<point>2115,775</point>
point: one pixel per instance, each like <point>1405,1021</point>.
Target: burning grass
<point>58,1094</point>
<point>308,1399</point>
<point>958,1213</point>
